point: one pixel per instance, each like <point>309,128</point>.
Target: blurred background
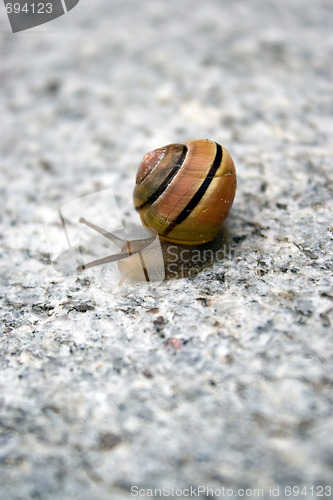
<point>92,401</point>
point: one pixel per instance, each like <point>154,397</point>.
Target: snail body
<point>184,192</point>
<point>151,259</point>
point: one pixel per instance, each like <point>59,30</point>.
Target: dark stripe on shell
<point>163,185</point>
<point>199,194</point>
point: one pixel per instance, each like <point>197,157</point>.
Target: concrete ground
<point>222,379</point>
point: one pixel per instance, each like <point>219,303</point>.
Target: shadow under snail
<point>183,193</point>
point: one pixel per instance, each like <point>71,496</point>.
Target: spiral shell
<point>185,191</point>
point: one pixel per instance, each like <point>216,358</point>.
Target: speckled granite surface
<point>222,379</point>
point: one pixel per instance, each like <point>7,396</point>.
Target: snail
<point>183,194</point>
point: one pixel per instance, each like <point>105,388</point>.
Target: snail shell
<point>185,191</point>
